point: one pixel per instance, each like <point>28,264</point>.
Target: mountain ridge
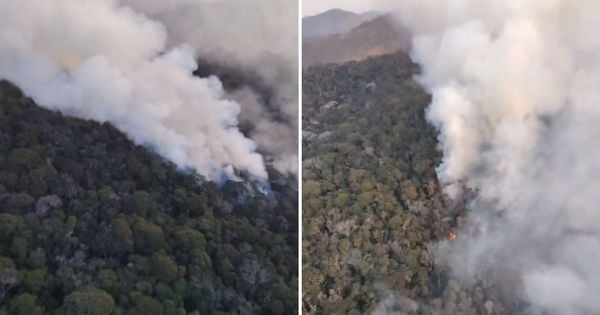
<point>334,21</point>
<point>379,36</point>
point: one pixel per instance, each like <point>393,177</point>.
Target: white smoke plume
<point>516,98</point>
<point>260,36</point>
<point>113,61</point>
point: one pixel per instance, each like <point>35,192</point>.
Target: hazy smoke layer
<point>114,61</point>
<point>516,97</point>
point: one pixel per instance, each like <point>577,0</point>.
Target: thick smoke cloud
<point>114,61</point>
<point>516,97</point>
<point>260,37</point>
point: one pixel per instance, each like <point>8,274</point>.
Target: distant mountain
<point>379,36</point>
<point>334,21</point>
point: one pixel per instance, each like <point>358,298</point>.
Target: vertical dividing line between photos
<point>299,157</point>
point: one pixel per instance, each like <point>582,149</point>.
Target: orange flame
<point>452,236</point>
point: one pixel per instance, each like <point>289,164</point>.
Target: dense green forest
<point>91,223</point>
<point>372,204</point>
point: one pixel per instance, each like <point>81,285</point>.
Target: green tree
<point>25,304</point>
<point>140,203</point>
<point>107,279</point>
<point>37,258</point>
<point>277,307</point>
<point>89,301</point>
<point>341,200</point>
<point>23,158</point>
<point>123,242</point>
<point>20,202</point>
<point>9,225</point>
<point>311,189</point>
<point>146,305</point>
<point>148,236</point>
<point>191,203</point>
<point>8,276</point>
<point>163,267</point>
<point>33,280</point>
<point>18,249</point>
<point>189,239</point>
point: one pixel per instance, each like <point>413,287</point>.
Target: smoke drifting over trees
<point>131,63</point>
<point>515,98</point>
<point>258,38</point>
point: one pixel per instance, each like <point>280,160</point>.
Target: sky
<point>312,7</point>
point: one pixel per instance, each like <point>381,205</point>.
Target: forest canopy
<point>372,204</point>
<point>91,223</point>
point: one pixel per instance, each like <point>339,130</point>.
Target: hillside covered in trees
<point>91,223</point>
<point>372,205</point>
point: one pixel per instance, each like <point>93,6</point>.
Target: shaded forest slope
<point>91,223</point>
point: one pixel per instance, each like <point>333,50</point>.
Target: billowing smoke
<point>256,37</point>
<point>516,98</point>
<point>124,62</point>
